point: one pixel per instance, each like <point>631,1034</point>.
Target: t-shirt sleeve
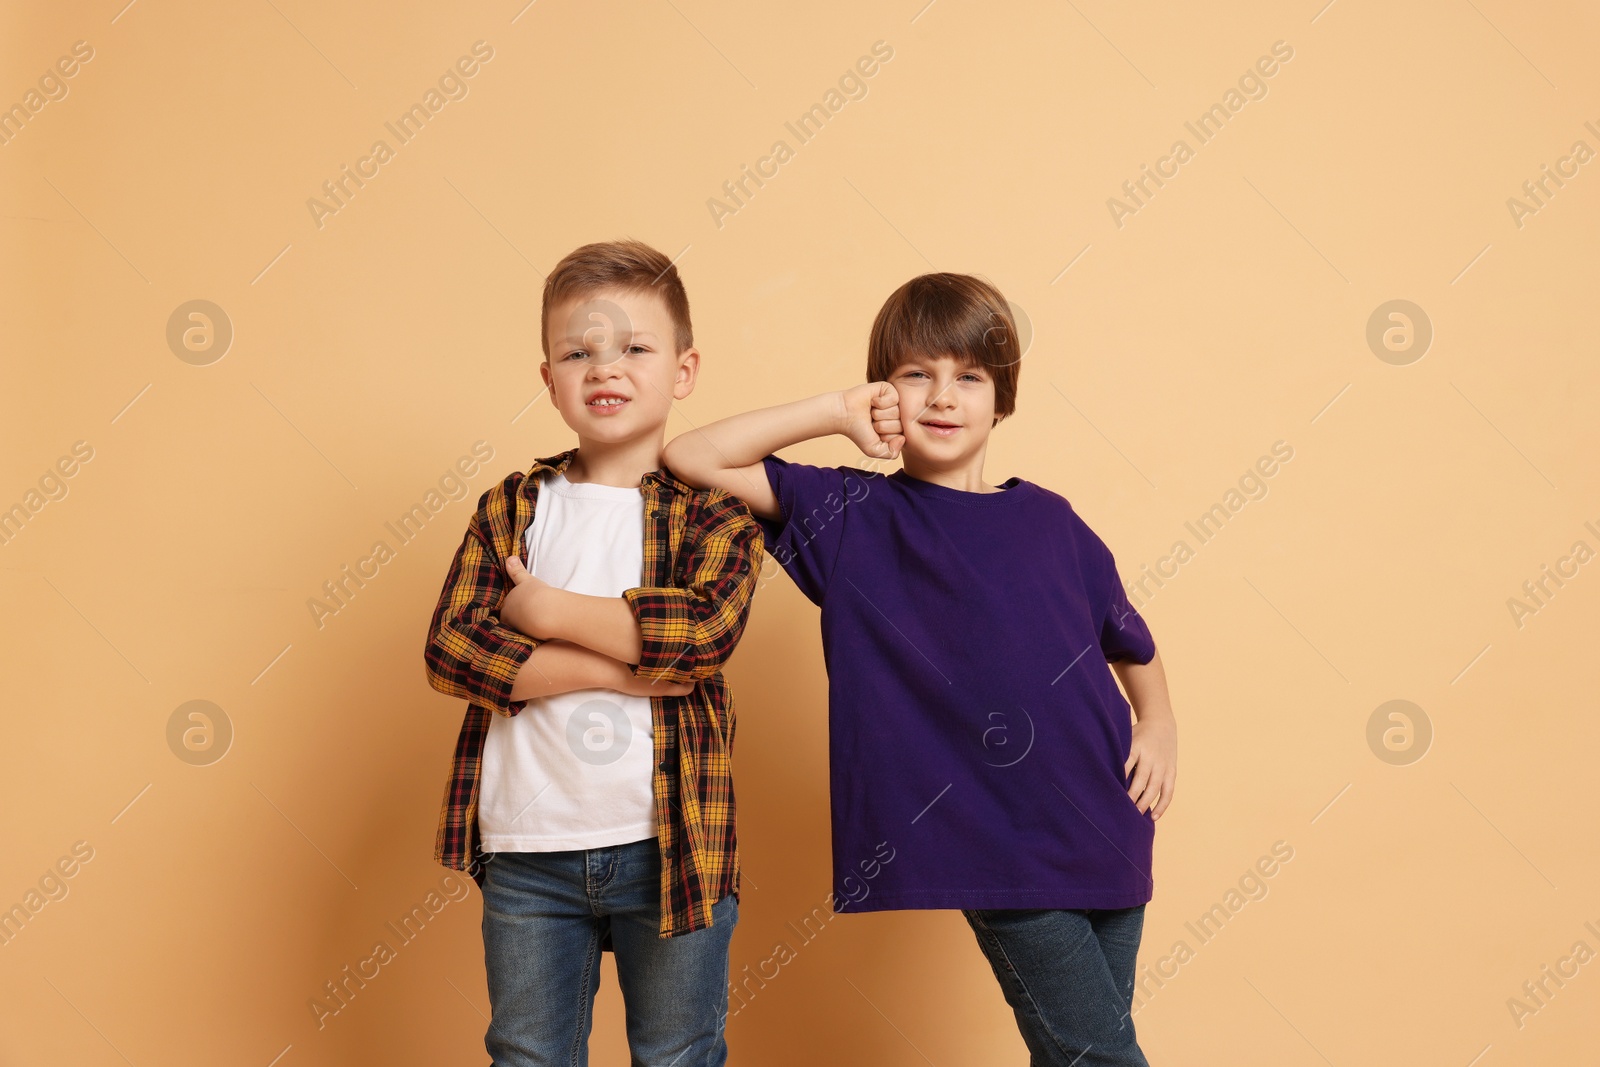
<point>1124,634</point>
<point>806,539</point>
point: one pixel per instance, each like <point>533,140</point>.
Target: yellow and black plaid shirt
<point>702,555</point>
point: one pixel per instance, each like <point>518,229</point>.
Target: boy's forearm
<point>741,440</point>
<point>605,624</point>
<point>557,667</point>
<point>1146,686</point>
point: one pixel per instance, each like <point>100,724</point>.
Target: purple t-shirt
<point>976,733</point>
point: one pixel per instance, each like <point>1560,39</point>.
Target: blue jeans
<point>1068,976</point>
<point>544,916</point>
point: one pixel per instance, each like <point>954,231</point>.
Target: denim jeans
<point>1068,976</point>
<point>544,915</point>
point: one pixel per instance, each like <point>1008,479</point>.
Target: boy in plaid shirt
<point>586,618</point>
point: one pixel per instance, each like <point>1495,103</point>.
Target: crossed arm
<point>586,642</point>
<point>501,637</point>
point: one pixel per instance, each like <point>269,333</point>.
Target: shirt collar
<point>559,462</point>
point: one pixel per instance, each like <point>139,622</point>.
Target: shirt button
<point>665,765</point>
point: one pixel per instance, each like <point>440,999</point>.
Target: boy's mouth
<point>605,403</point>
<point>940,428</point>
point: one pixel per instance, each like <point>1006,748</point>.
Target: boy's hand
<point>524,607</point>
<point>872,419</point>
<point>1153,757</point>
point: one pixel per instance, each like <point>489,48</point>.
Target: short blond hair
<point>628,266</point>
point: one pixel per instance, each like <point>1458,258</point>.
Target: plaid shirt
<point>702,551</point>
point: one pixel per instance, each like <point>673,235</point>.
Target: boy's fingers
<point>516,571</point>
<point>1140,784</point>
<point>1148,803</point>
<point>1168,784</point>
<point>888,447</point>
<point>1161,785</point>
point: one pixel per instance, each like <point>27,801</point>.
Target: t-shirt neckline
<point>1012,489</point>
<point>560,483</point>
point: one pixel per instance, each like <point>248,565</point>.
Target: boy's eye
<point>575,354</point>
<point>637,348</point>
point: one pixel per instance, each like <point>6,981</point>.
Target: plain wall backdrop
<point>1430,538</point>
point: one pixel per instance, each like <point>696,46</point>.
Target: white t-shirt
<point>574,770</point>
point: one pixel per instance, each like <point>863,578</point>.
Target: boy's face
<point>614,369</point>
<point>946,409</point>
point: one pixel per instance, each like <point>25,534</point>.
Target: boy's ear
<point>688,372</point>
<point>544,374</point>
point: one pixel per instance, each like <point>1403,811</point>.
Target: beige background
<point>1228,313</point>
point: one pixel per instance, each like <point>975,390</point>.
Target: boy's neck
<point>622,464</point>
<point>968,477</point>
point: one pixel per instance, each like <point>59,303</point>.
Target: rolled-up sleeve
<point>469,653</point>
<point>689,631</point>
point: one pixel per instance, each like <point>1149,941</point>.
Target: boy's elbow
<point>714,643</point>
<point>441,668</point>
<point>433,669</point>
<point>441,686</point>
<point>708,668</point>
<point>694,660</point>
<point>686,458</point>
<point>702,663</point>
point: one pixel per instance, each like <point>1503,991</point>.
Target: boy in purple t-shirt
<point>981,757</point>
